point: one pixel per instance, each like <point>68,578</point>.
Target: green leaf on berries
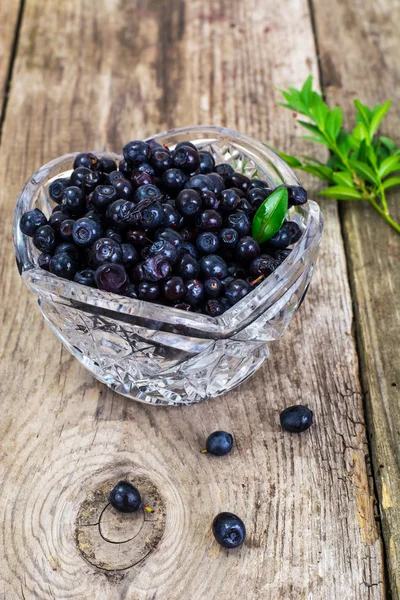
<point>270,215</point>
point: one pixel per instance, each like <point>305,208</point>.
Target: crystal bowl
<point>162,355</point>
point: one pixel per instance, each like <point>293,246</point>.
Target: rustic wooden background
<point>323,519</point>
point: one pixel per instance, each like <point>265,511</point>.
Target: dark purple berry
<point>105,250</point>
<point>217,182</point>
<point>123,189</point>
<point>31,221</point>
<point>74,200</point>
<point>114,235</point>
<point>188,248</point>
<point>69,248</point>
<point>230,200</point>
<point>94,214</point>
<point>169,235</point>
<point>86,231</point>
<point>111,277</point>
<point>297,195</point>
<point>207,242</point>
<point>125,168</point>
<point>200,182</point>
<point>174,289</point>
<point>209,220</point>
<point>229,530</point>
<point>122,214</point>
<point>238,180</point>
<point>240,221</point>
<point>136,152</point>
<point>185,143</point>
<point>44,239</point>
<point>215,307</point>
<point>219,443</point>
<point>229,237</point>
<point>189,203</point>
<point>91,181</point>
<point>296,419</point>
<point>152,216</point>
<point>165,250</point>
<point>107,165</point>
<point>213,287</point>
<point>56,219</point>
<point>186,158</point>
<point>261,184</point>
<point>56,189</point>
<point>237,290</point>
<point>256,196</point>
<point>194,292</point>
<point>103,196</point>
<point>131,291</point>
<point>171,216</point>
<point>224,170</point>
<point>87,160</point>
<point>78,175</point>
<point>288,234</point>
<point>85,277</point>
<point>263,265</point>
<point>213,265</point>
<point>281,255</point>
<point>154,268</point>
<point>141,178</point>
<point>63,265</point>
<point>183,306</point>
<point>210,200</point>
<point>247,249</point>
<point>148,290</point>
<point>237,270</point>
<point>148,192</point>
<point>161,160</point>
<point>44,261</point>
<point>188,267</point>
<point>207,162</point>
<point>137,237</point>
<point>173,180</point>
<point>129,255</point>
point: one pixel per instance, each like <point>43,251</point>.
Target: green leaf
<point>343,179</point>
<point>294,98</point>
<point>319,109</point>
<point>360,132</point>
<point>334,122</point>
<point>379,113</point>
<point>322,172</point>
<point>391,182</point>
<point>389,165</point>
<point>314,130</point>
<point>363,113</point>
<point>306,90</point>
<point>292,161</point>
<point>341,193</point>
<point>388,143</point>
<point>362,151</point>
<point>270,215</point>
<point>371,155</point>
<point>314,139</point>
<point>365,171</point>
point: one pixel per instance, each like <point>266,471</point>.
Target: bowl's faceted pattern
<point>158,354</point>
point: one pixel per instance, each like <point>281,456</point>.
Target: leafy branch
<point>362,164</point>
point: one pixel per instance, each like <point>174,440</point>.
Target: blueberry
<point>61,208</point>
<point>148,290</point>
<point>78,175</point>
<point>185,143</point>
<point>169,235</point>
<point>44,239</point>
<point>173,180</point>
<point>56,189</point>
<point>186,158</point>
<point>129,255</point>
<point>237,290</point>
<point>219,443</point>
<point>281,255</point>
<point>87,160</point>
<point>125,168</point>
<point>136,152</point>
<point>218,183</point>
<point>148,192</point>
<point>229,530</point>
<point>189,203</point>
<point>297,195</point>
<point>137,237</point>
<point>188,267</point>
<point>85,277</point>
<point>247,249</point>
<point>111,277</point>
<point>122,214</point>
<point>86,231</point>
<point>224,170</point>
<point>113,234</point>
<point>240,221</point>
<point>200,182</point>
<point>207,162</point>
<point>241,193</point>
<point>125,498</point>
<point>154,268</point>
<point>174,289</point>
<point>161,160</point>
<point>215,307</point>
<point>141,178</point>
<point>263,265</point>
<point>230,200</point>
<point>188,248</point>
<point>164,249</point>
<point>69,248</point>
<point>63,265</point>
<point>213,265</point>
<point>91,181</point>
<point>31,221</point>
<point>107,165</point>
<point>246,207</point>
<point>207,242</point>
<point>209,220</point>
<point>194,292</point>
<point>105,250</point>
<point>44,261</point>
<point>296,419</point>
<point>115,176</point>
<point>123,188</point>
<point>103,196</point>
<point>237,270</point>
<point>238,180</point>
<point>213,287</point>
<point>287,235</point>
<point>131,291</point>
<point>260,184</point>
<point>56,219</point>
<point>95,215</point>
<point>152,216</point>
<point>144,168</point>
<point>74,200</point>
<point>171,216</point>
<point>210,200</point>
<point>229,237</point>
<point>294,230</point>
<point>227,280</point>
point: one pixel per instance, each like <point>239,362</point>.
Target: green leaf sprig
<point>363,165</point>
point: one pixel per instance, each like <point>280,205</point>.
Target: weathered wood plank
<point>362,60</point>
<point>89,78</point>
<point>8,22</point>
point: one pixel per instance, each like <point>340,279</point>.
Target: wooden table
<point>322,509</point>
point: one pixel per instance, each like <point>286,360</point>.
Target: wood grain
<point>8,23</point>
<point>371,30</point>
<point>89,78</point>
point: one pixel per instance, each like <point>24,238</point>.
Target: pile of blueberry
<point>166,226</point>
